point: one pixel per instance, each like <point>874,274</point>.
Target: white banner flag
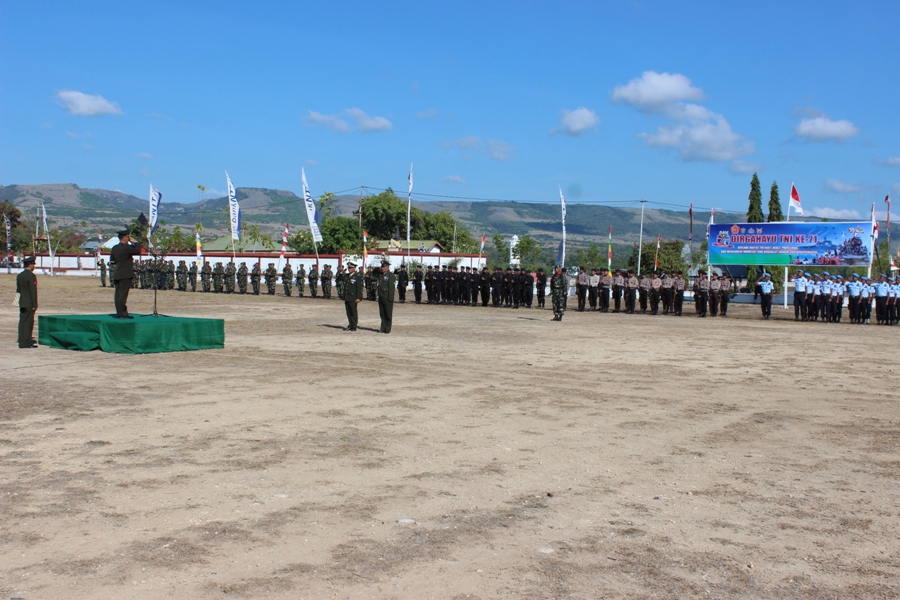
<point>234,210</point>
<point>155,198</point>
<point>562,249</point>
<point>310,209</point>
<point>409,207</point>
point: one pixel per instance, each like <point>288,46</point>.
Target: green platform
<point>141,335</point>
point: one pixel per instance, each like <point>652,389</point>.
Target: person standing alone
<point>26,287</point>
<point>123,255</point>
<point>385,293</point>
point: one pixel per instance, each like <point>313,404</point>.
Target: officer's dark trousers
<point>386,312</point>
<point>800,305</point>
<point>766,304</point>
<point>26,326</point>
<point>121,298</point>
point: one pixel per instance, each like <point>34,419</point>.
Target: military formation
<point>820,298</point>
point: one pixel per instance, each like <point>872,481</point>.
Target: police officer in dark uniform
<point>354,292</point>
<point>402,282</point>
<point>417,284</point>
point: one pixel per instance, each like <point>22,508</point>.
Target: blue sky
<point>675,102</point>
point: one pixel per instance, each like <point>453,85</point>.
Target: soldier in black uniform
<point>417,284</point>
<point>541,281</point>
<point>402,282</point>
<point>528,291</point>
<point>485,282</point>
<point>387,281</point>
<point>354,292</point>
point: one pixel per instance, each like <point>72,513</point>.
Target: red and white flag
<point>483,241</point>
<point>874,224</point>
<point>795,201</point>
<point>365,248</point>
<point>656,261</point>
<point>284,241</point>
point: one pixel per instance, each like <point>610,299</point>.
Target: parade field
<point>472,453</point>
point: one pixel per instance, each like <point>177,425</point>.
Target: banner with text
<point>791,243</point>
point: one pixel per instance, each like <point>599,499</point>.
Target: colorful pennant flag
<point>155,198</point>
<point>312,214</point>
<point>609,251</point>
<point>234,209</point>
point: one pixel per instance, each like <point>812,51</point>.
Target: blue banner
<point>791,243</point>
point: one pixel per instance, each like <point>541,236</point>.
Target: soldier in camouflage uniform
<point>192,276</point>
<point>313,280</point>
<point>271,276</point>
<point>287,278</point>
<point>340,281</point>
<point>112,273</point>
<point>181,276</point>
<point>170,275</point>
<point>134,280</point>
<point>218,277</point>
<point>301,280</point>
<point>327,276</point>
<point>255,275</point>
<point>102,273</point>
<point>242,278</point>
<point>205,276</point>
<point>559,289</point>
<point>230,272</point>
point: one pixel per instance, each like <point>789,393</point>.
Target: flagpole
<point>790,199</point>
<point>641,238</point>
<point>887,199</point>
<point>408,211</point>
<point>691,234</point>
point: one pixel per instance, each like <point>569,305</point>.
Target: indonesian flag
<point>483,242</point>
<point>365,248</point>
<point>887,200</point>
<point>656,261</point>
<point>795,201</point>
<point>712,215</point>
<point>284,240</point>
<point>874,224</point>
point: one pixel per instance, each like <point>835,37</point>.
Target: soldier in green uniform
<point>327,276</point>
<point>387,283</point>
<point>301,280</point>
<point>230,272</point>
<point>313,279</point>
<point>287,278</point>
<point>255,276</point>
<point>102,273</point>
<point>205,276</point>
<point>242,278</point>
<point>340,281</point>
<point>559,289</point>
<point>112,273</point>
<point>192,276</point>
<point>352,295</point>
<point>218,277</point>
<point>181,276</point>
<point>271,278</point>
<point>170,275</point>
<point>26,287</point>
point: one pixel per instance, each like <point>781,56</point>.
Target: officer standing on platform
<point>123,255</point>
<point>387,281</point>
<point>354,292</point>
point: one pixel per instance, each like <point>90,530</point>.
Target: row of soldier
<point>820,297</point>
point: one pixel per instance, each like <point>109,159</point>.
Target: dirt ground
<point>473,453</point>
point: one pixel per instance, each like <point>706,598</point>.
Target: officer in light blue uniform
<point>766,289</point>
<point>882,289</point>
<point>854,291</point>
<point>837,299</point>
<point>894,298</point>
<point>801,284</point>
<point>814,297</point>
<point>866,294</point>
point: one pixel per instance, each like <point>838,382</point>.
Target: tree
<point>326,205</point>
<point>775,213</point>
<point>21,232</point>
<point>383,215</point>
<point>301,242</point>
<point>671,256</point>
<point>527,251</point>
<point>501,246</point>
<point>439,226</point>
<point>253,234</point>
<point>340,234</point>
<point>590,258</point>
<point>754,209</point>
<point>175,241</point>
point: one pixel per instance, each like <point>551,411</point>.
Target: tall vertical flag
<point>234,209</point>
<point>9,237</point>
<point>656,260</point>
<point>311,212</point>
<point>155,198</point>
<point>887,200</point>
<point>609,252</point>
<point>562,248</point>
<point>408,208</point>
<point>284,239</point>
<point>712,218</point>
<point>365,248</point>
<point>483,242</point>
<point>691,232</point>
<point>99,245</point>
<point>199,247</point>
<point>47,233</point>
<point>795,201</point>
<point>874,224</point>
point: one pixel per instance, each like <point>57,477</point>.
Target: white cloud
<point>890,161</point>
<point>454,179</point>
<point>712,140</point>
<point>145,172</point>
<point>698,133</point>
<point>742,167</point>
<point>576,122</point>
<point>312,162</point>
<point>496,149</point>
<point>832,213</point>
<point>843,187</point>
<point>332,122</point>
<point>46,126</point>
<point>823,129</point>
<point>653,90</point>
<point>87,105</point>
<point>363,122</point>
<point>73,135</point>
<point>144,155</point>
<point>427,114</point>
<point>366,123</point>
